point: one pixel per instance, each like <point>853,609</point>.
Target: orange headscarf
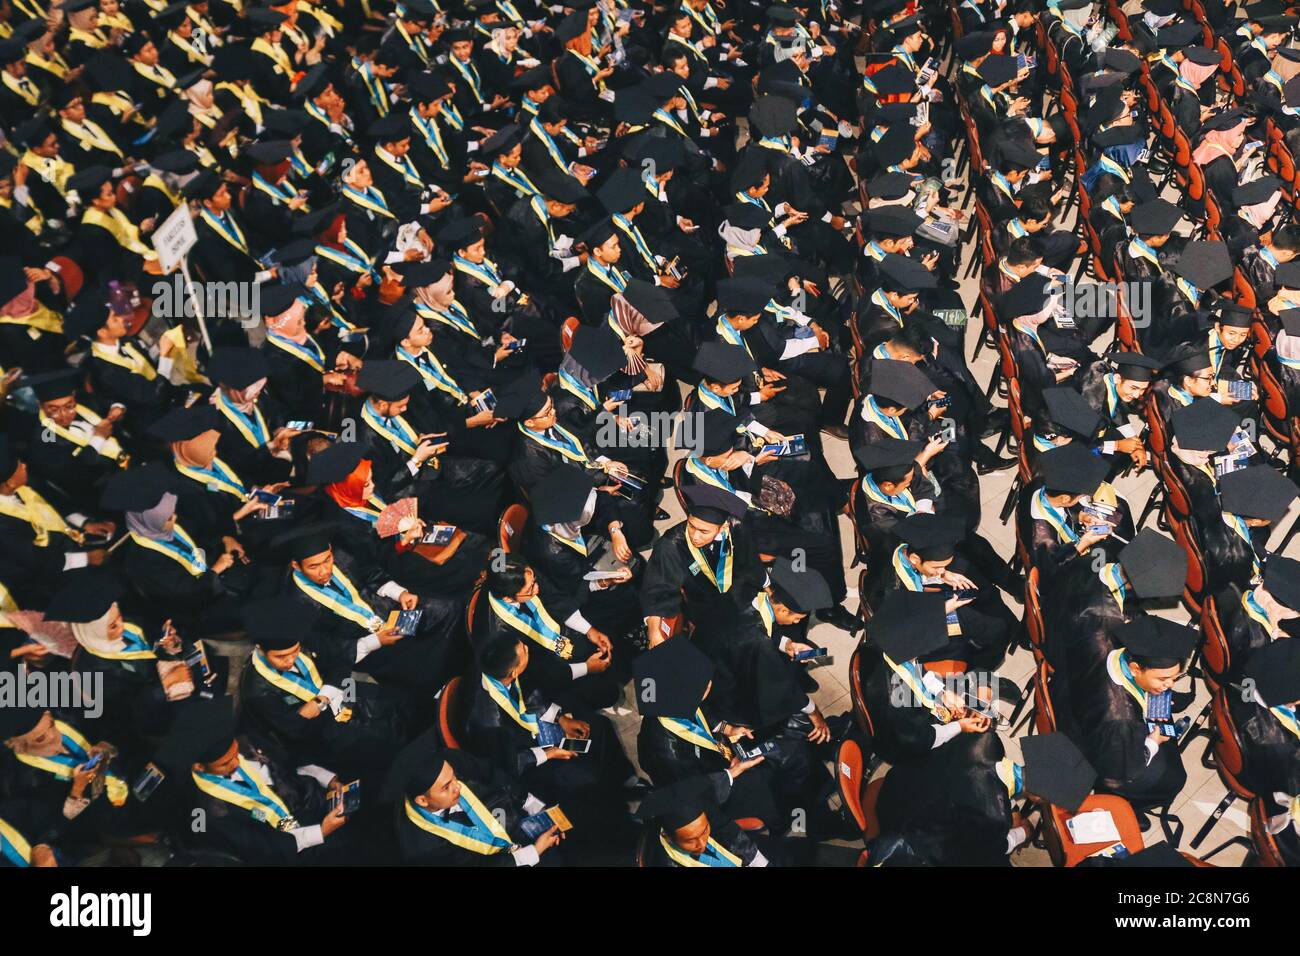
<point>351,491</point>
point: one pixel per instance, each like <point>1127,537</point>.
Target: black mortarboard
<point>743,296</point>
<point>715,432</point>
<point>179,161</point>
<point>997,70</point>
<point>295,252</point>
<point>1124,61</point>
<point>11,52</point>
<point>1201,56</point>
<point>277,299</point>
<point>182,424</point>
<point>334,463</point>
<point>650,300</point>
<point>680,803</point>
<point>670,679</point>
<point>1226,312</point>
<point>202,186</point>
<point>746,215</point>
<point>237,368</point>
<point>1155,218</point>
<point>895,146</point>
<point>972,46</point>
<point>34,132</point>
<point>774,115</point>
<point>782,16</point>
<point>1177,35</point>
<point>136,489</point>
<point>891,453</point>
<point>723,362</point>
<point>277,623</point>
<point>909,625</point>
<point>17,720</point>
<point>574,25</point>
<point>1067,410</point>
<point>263,21</point>
<point>1135,367</point>
<point>1287,275</point>
<point>1188,359</point>
<point>1290,319</point>
<point>460,233</point>
<point>1072,469</point>
<point>416,768</point>
<point>315,222</point>
<point>1056,770</point>
<point>666,153</point>
<point>202,732</point>
<point>1256,191</point>
<point>1275,669</point>
<point>87,182</point>
<point>1204,425</point>
<point>1159,855</point>
<point>899,383</point>
<point>1282,580</point>
<point>714,505</point>
<point>623,190</point>
<point>388,379</point>
<point>890,186</point>
<point>304,541</point>
<point>904,275</point>
<point>893,221</point>
<point>522,398</point>
<point>1017,155</point>
<point>1155,566</point>
<point>561,496</point>
<point>930,537</point>
<point>1155,638</point>
<point>313,82</point>
<point>801,591</point>
<point>83,595</point>
<point>418,274</point>
<point>1225,120</point>
<point>598,350</point>
<point>49,386</point>
<point>558,187</point>
<point>1257,492</point>
<point>534,79</point>
<point>598,233</point>
<point>1029,296</point>
<point>502,141</point>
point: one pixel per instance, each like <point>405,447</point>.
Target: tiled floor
<point>1203,791</point>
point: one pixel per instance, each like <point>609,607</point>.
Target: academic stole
<point>695,730</point>
<point>183,550</point>
<point>372,200</point>
<point>157,74</point>
<point>711,399</point>
<point>715,854</point>
<point>1043,510</point>
<point>252,428</point>
<point>1242,530</point>
<point>13,847</point>
<point>552,150</point>
<point>469,72</point>
<point>110,449</point>
<point>721,575</point>
<point>890,423</point>
<point>38,513</point>
<point>22,87</point>
<point>909,672</point>
<point>371,511</point>
<point>1255,611</point>
<point>516,180</point>
<point>731,335</point>
<point>629,229</point>
<point>44,319</point>
<point>226,227</point>
<point>52,169</point>
<point>511,700</point>
<point>429,131</point>
<point>281,193</point>
<point>122,229</point>
<point>309,352</point>
<point>1287,718</point>
<point>762,603</point>
<point>611,276</point>
<point>302,680</point>
<point>64,765</point>
<point>588,396</point>
<point>880,299</point>
<point>1011,774</point>
<point>591,66</point>
<point>136,647</point>
<point>454,317</point>
<point>710,476</point>
<point>218,476</point>
<point>433,373</point>
<point>1111,577</point>
<point>396,430</point>
<point>578,544</point>
<point>911,580</point>
<point>91,136</point>
<point>486,837</point>
<point>1121,676</point>
<point>540,628</point>
<point>351,257</point>
<point>350,605</point>
<point>567,445</point>
<point>249,793</point>
<point>403,167</point>
<point>905,502</point>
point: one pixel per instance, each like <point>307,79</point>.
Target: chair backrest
<point>1230,759</point>
<point>567,330</point>
<point>858,697</point>
<point>1064,852</point>
<point>1194,588</point>
<point>678,467</point>
<point>449,714</point>
<point>1215,652</point>
<point>1044,713</point>
<point>1034,612</point>
<point>848,773</point>
<point>471,610</point>
<point>511,526</point>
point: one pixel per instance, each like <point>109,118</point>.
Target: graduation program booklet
<point>534,826</point>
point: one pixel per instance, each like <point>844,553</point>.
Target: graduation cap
<point>1135,367</point>
<point>1067,410</point>
<point>11,52</point>
<point>909,625</point>
<point>388,379</point>
<point>201,732</point>
<point>84,595</point>
<point>1282,580</point>
<point>34,132</point>
<point>416,274</point>
<point>333,464</point>
<point>277,299</point>
<point>1072,469</point>
<point>997,70</point>
<point>598,233</point>
<point>930,537</point>
<point>29,31</point>
<point>1287,275</point>
<point>534,79</point>
<point>237,368</point>
<point>1227,312</point>
<point>203,186</point>
<point>1155,217</point>
<point>1176,36</point>
<point>571,27</point>
<point>894,81</point>
<point>1029,296</point>
<point>774,115</point>
<point>890,186</point>
<point>1188,359</point>
<point>598,350</point>
<point>723,362</point>
<point>715,433</point>
<point>48,386</point>
<point>1277,23</point>
<point>558,187</point>
<point>183,424</point>
<point>522,398</point>
<point>670,679</point>
<point>1124,61</point>
<point>663,86</point>
<point>666,153</point>
<point>1290,319</point>
<point>562,496</point>
<point>304,541</point>
<point>313,82</point>
<point>277,623</point>
<point>263,21</point>
<point>633,105</point>
<point>315,222</point>
<point>1221,121</point>
<point>1057,770</point>
<point>1163,8</point>
<point>1017,155</point>
<point>1275,669</point>
<point>1257,492</point>
<point>895,146</point>
<point>389,129</point>
<point>745,215</point>
<point>680,803</point>
<point>295,252</point>
<point>743,296</point>
<point>714,505</point>
<point>624,189</point>
<point>416,768</point>
<point>136,489</point>
<point>781,16</point>
<point>461,233</point>
<point>1204,425</point>
<point>1155,566</point>
<point>899,383</point>
<point>1256,191</point>
<point>1202,56</point>
<point>903,275</point>
<point>801,591</point>
<point>16,720</point>
<point>972,46</point>
<point>890,453</point>
<point>88,182</point>
<point>108,71</point>
<point>894,221</point>
<point>1157,639</point>
<point>502,141</point>
<point>178,161</point>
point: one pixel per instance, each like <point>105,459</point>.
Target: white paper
<point>1095,826</point>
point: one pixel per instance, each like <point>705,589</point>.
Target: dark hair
<point>1024,250</point>
<point>1035,208</point>
<point>1154,663</point>
<point>914,337</point>
<point>499,654</point>
<point>505,576</point>
<point>893,473</point>
<point>671,56</point>
<point>1288,238</point>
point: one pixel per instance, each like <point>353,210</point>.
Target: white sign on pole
<point>174,238</point>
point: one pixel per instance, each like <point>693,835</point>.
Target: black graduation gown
<point>669,581</point>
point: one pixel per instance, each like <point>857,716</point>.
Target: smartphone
<point>93,762</point>
<point>486,401</point>
<point>148,781</point>
<point>1160,707</point>
<point>621,395</point>
<point>300,426</point>
<point>405,622</point>
<point>348,800</point>
<point>197,661</point>
<point>439,534</point>
<point>267,497</point>
<point>575,745</point>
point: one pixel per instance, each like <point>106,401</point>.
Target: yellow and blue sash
<point>695,730</point>
<point>710,476</point>
<point>890,423</point>
<point>711,399</point>
<point>719,576</point>
<point>136,647</point>
<point>715,854</point>
<point>566,445</point>
<point>216,477</point>
<point>252,428</point>
<point>537,624</point>
<point>64,765</point>
<point>486,837</point>
<point>180,548</point>
<point>309,352</point>
<point>13,847</point>
<point>434,375</point>
<point>349,604</point>
<point>511,700</point>
<point>1043,510</point>
<point>396,430</point>
<point>249,793</point>
<point>226,228</point>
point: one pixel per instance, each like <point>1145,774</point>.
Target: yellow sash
<point>110,449</point>
<point>39,513</point>
<point>133,360</point>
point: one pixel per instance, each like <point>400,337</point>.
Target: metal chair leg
<point>1009,506</point>
<point>1227,801</point>
<point>1157,493</point>
<point>1234,841</point>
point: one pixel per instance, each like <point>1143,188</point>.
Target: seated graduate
<point>72,444</point>
<point>29,835</point>
<point>1265,714</point>
<point>1121,712</point>
<point>316,716</point>
<point>258,805</point>
<point>1057,526</point>
<point>672,684</point>
<point>1201,431</point>
<point>1256,615</point>
<point>1253,500</point>
<point>912,712</point>
<point>688,829</point>
<point>956,806</point>
<point>520,731</point>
